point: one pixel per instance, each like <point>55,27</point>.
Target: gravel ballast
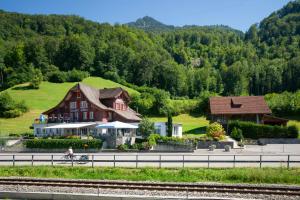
<point>162,194</point>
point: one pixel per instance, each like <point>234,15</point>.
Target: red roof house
<point>83,103</point>
<point>246,108</point>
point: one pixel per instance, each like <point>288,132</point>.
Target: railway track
<point>267,190</point>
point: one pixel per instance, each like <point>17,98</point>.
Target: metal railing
<point>161,160</point>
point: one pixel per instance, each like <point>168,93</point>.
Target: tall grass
<point>225,175</point>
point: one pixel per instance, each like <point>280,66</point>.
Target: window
<point>78,94</point>
<point>83,104</point>
<point>91,115</point>
<point>73,105</point>
<point>109,116</point>
<point>76,116</point>
<point>84,115</point>
<point>117,106</point>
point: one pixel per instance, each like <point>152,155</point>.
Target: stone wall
<point>264,141</point>
<point>172,148</point>
<point>219,144</point>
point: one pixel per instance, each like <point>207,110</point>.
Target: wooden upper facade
<point>86,104</point>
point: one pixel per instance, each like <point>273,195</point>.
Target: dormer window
<point>78,95</point>
<point>235,104</point>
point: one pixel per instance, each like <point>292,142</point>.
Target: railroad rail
<point>180,187</point>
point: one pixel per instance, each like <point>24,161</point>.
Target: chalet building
<point>244,108</point>
<point>86,104</point>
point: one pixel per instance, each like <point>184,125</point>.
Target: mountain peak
<point>148,23</point>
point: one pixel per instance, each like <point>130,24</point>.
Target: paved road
<point>250,153</point>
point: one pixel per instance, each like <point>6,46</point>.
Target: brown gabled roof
<point>239,105</point>
<point>108,93</point>
<point>92,94</point>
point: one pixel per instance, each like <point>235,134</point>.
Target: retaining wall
<point>219,144</point>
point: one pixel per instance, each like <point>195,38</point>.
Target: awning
<point>116,125</point>
<point>71,125</point>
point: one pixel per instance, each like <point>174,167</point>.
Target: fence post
<point>136,161</point>
<point>72,161</point>
<point>208,161</point>
<point>159,161</point>
<point>183,161</point>
<point>52,160</point>
<point>114,160</point>
<point>233,161</point>
<point>32,160</point>
<point>260,158</point>
<point>288,162</point>
<point>13,160</point>
<point>93,161</point>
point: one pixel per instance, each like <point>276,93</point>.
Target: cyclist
<point>69,153</point>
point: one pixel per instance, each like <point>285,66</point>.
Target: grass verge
<point>222,175</point>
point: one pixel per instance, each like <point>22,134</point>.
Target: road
<point>252,153</point>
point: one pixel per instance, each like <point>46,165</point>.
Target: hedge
<point>63,143</point>
<point>256,131</point>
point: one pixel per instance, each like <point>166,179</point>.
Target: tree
<point>146,127</point>
<point>170,125</point>
<point>37,78</point>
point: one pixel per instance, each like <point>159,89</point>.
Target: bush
<point>57,77</point>
<point>237,134</point>
<point>123,147</point>
<point>146,127</point>
<point>76,75</point>
<point>27,135</point>
<point>215,131</point>
<point>14,135</point>
<point>256,131</point>
<point>9,108</point>
<point>63,143</point>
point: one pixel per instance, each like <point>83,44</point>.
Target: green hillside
<point>47,96</point>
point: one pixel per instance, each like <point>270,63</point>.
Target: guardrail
<point>159,160</point>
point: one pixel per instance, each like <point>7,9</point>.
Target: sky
<point>238,14</point>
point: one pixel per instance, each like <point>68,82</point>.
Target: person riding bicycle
<point>70,153</point>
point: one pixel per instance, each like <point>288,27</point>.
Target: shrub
<point>256,131</point>
<point>57,77</point>
<point>76,75</point>
<point>146,127</point>
<point>9,108</point>
<point>63,143</point>
<point>145,146</point>
<point>237,134</point>
<point>27,135</point>
<point>14,135</point>
<point>215,131</point>
<point>123,147</point>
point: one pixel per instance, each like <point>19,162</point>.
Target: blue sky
<point>239,14</point>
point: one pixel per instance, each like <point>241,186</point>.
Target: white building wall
<point>161,128</point>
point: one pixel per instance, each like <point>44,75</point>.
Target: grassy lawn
<point>225,175</point>
<point>47,96</point>
<point>192,125</point>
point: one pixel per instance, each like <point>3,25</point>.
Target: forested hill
<point>187,61</point>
